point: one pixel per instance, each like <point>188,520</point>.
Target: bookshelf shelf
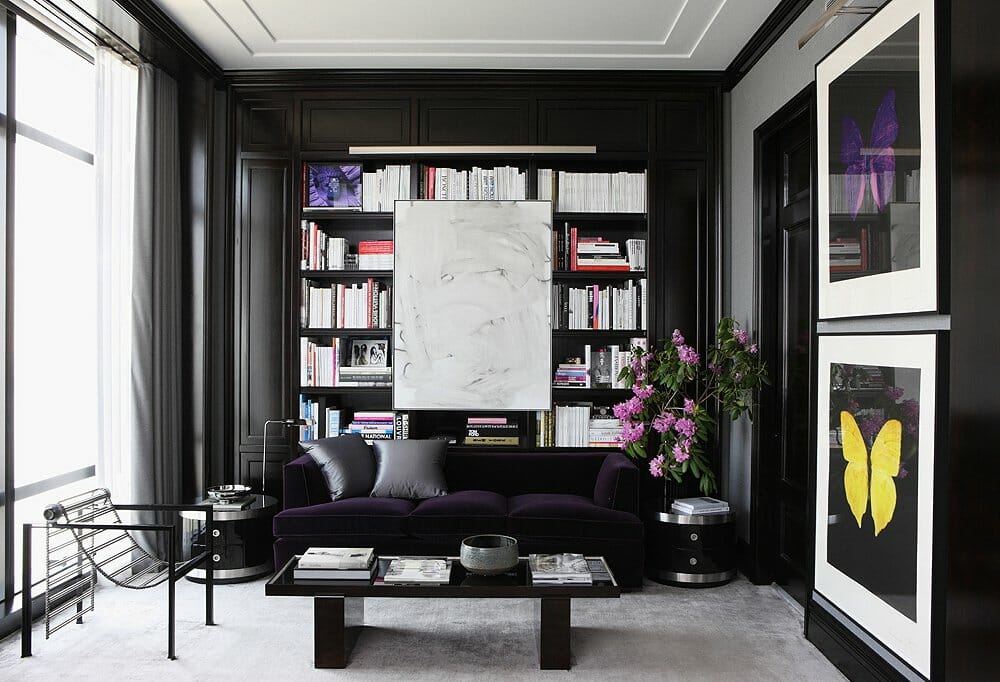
<point>615,394</point>
<point>602,217</point>
<point>344,331</point>
<point>345,274</point>
<point>347,390</point>
<point>348,216</point>
<point>585,275</point>
<point>594,333</point>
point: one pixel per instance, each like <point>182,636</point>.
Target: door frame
<point>762,543</point>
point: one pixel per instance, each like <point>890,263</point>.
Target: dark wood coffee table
<point>338,609</point>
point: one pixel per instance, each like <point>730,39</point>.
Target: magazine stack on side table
<point>699,505</point>
<point>559,569</point>
<point>350,564</point>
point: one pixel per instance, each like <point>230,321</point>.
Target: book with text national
<point>337,557</point>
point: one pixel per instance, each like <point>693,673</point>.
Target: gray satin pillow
<point>347,463</point>
<point>410,469</point>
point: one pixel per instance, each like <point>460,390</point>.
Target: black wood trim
<point>273,80</point>
<point>760,42</point>
<point>156,21</point>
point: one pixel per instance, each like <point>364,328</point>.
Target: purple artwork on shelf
<point>332,185</point>
<point>873,167</point>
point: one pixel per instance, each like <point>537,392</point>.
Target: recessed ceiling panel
<point>624,34</point>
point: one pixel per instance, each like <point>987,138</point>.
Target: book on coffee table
<point>417,571</point>
<point>559,569</point>
<point>337,558</point>
<point>362,575</point>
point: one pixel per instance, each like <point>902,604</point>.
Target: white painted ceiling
<point>496,34</point>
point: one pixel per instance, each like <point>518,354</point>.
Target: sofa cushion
<point>381,516</point>
<point>347,463</point>
<point>560,515</point>
<point>410,469</point>
<point>467,512</point>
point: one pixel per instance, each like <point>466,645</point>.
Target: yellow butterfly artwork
<point>884,467</point>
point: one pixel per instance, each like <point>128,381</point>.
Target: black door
<point>781,528</point>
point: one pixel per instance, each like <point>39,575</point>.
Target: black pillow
<point>410,469</point>
<point>347,462</point>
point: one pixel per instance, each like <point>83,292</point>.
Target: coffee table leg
<point>337,623</point>
<point>553,633</point>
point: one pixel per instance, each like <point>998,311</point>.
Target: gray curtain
<point>156,299</point>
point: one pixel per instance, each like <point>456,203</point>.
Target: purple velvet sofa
<point>584,502</point>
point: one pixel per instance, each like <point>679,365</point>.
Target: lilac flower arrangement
<point>675,397</point>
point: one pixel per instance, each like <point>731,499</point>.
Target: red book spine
<point>572,248</point>
<point>432,171</point>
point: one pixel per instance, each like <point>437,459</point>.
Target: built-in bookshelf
<point>600,294</point>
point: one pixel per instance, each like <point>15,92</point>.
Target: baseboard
<point>748,566</point>
<point>859,656</point>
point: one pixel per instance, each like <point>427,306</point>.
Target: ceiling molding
<point>156,21</point>
<point>766,36</point>
<point>248,80</point>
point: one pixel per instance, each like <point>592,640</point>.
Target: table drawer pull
<point>694,537</point>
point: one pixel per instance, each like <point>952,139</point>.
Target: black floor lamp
<point>286,423</point>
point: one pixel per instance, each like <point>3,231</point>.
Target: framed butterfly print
<point>874,485</point>
<point>876,194</point>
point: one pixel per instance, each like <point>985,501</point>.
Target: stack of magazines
<point>699,505</point>
<point>418,571</point>
<point>346,564</point>
<point>559,569</point>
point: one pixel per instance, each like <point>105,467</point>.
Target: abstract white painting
<point>472,305</point>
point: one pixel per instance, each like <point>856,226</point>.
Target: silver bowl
<point>488,554</point>
<point>226,492</point>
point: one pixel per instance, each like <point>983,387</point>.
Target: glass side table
<point>242,546</point>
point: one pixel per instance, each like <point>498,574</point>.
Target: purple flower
<point>903,473</point>
<point>688,406</point>
<point>685,426</point>
<point>688,355</point>
<point>625,410</point>
<point>664,421</point>
<point>911,408</point>
<point>870,425</point>
<point>714,369</point>
<point>753,349</point>
<point>742,336</point>
<point>631,432</point>
<point>680,454</point>
<point>643,392</point>
<point>637,364</point>
<point>676,337</point>
<point>893,393</point>
<point>656,466</point>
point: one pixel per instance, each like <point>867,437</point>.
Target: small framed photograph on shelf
<point>876,190</point>
<point>875,451</point>
<point>331,186</point>
<point>369,353</point>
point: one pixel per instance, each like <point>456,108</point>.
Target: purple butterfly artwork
<point>873,167</point>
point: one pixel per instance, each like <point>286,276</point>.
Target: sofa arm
<point>303,483</point>
<point>617,484</point>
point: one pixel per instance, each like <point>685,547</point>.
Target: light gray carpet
<point>736,632</point>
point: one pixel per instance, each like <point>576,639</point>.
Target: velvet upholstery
<point>583,501</point>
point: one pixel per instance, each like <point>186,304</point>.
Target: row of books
<point>383,187</point>
<point>481,430</point>
<point>593,306</point>
<point>361,305</point>
<point>483,184</point>
<point>595,368</point>
<point>842,201</point>
<point>849,254</point>
<point>576,425</point>
<point>621,192</point>
<point>359,565</point>
<point>374,426</point>
<point>344,362</point>
<point>371,425</point>
<point>322,252</point>
<point>596,254</point>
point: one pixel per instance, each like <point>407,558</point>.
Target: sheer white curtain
<point>117,97</point>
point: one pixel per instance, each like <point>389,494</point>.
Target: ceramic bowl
<point>488,554</point>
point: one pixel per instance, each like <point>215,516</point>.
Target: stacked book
<point>620,192</point>
<point>365,375</point>
<point>603,429</point>
<point>381,188</point>
<point>559,569</point>
<point>323,365</point>
<point>373,426</point>
<point>574,252</point>
<point>355,565</point>
<point>849,254</point>
<point>491,431</point>
<point>596,368</point>
<point>699,506</point>
<point>417,571</point>
<point>573,373</point>
<point>375,254</point>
